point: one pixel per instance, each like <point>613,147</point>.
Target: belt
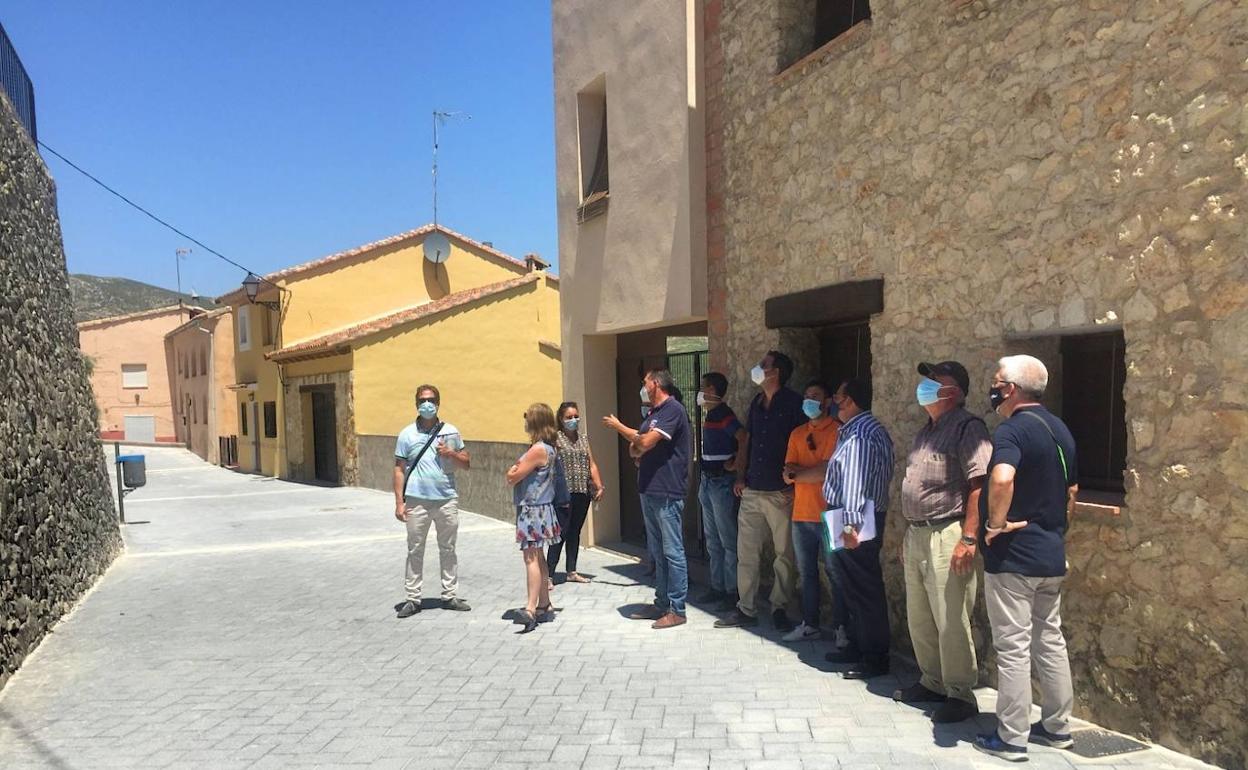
<point>716,473</point>
<point>928,523</point>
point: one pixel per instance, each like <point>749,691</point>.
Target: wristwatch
<point>848,529</point>
<point>968,540</point>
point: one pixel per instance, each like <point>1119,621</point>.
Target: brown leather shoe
<point>649,612</point>
<point>669,620</point>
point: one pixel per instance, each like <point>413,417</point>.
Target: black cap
<point>950,369</point>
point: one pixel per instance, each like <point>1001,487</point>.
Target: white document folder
<point>834,520</point>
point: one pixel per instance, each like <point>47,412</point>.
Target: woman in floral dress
<point>533,480</point>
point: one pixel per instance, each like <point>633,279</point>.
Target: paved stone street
<point>250,624</point>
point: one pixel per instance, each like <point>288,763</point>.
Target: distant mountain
<point>99,297</point>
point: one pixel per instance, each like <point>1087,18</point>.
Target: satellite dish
<point>437,248</point>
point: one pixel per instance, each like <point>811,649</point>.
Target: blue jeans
<point>811,556</point>
<point>719,524</point>
<point>667,549</point>
<point>808,553</point>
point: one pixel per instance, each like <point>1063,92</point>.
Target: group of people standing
<point>810,474</point>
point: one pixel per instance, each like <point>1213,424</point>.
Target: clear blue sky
<point>278,132</point>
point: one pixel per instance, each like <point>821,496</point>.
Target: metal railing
<point>17,84</point>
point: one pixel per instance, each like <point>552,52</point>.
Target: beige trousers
<point>938,610</point>
<point>765,515</point>
<point>1026,618</point>
<point>444,516</point>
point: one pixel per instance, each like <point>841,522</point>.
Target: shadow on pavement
<point>46,754</point>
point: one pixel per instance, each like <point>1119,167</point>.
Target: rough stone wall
<point>58,526</point>
<point>304,468</point>
<point>1021,169</point>
<point>482,488</point>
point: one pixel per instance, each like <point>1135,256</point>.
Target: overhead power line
<point>149,214</point>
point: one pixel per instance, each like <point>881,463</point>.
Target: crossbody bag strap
<point>436,430</point>
<point>1061,456</point>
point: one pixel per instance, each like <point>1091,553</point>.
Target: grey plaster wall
<point>58,526</point>
<point>481,488</point>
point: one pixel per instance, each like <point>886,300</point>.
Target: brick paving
<point>251,624</point>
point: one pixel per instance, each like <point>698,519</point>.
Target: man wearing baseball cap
<point>945,474</point>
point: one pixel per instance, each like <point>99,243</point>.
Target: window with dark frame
<point>591,124</point>
<point>834,18</point>
<point>270,419</point>
<point>1093,407</point>
<point>268,326</point>
<point>242,418</point>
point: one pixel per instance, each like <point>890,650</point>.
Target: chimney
<point>535,263</point>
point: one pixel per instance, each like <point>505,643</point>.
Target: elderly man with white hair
<point>1031,492</point>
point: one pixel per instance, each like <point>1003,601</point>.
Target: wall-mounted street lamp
<point>251,285</point>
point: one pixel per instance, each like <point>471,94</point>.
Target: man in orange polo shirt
<point>805,464</point>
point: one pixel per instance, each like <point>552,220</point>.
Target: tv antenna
<point>440,117</point>
<point>178,256</point>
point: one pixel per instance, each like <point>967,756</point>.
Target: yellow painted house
<point>329,353</point>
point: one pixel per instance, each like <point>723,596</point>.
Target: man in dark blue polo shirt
<point>1032,483</point>
<point>661,447</point>
<point>766,501</point>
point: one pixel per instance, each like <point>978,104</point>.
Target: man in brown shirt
<point>945,473</point>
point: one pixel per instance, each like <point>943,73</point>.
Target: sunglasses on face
<point>420,401</point>
<point>810,441</point>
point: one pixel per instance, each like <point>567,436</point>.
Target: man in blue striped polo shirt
<point>857,480</point>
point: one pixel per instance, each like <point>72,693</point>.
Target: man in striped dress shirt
<point>861,470</point>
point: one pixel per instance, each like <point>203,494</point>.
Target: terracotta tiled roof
<point>216,313</point>
<point>419,232</point>
<point>341,339</point>
<point>156,311</point>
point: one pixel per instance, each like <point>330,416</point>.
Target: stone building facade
<point>973,178</point>
<point>58,527</point>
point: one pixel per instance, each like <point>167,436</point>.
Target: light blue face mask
<point>812,408</point>
<point>427,409</point>
<point>928,391</point>
<point>572,423</point>
<point>645,396</point>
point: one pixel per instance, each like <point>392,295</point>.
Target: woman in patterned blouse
<point>583,482</point>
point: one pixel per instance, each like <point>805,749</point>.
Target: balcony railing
<point>17,85</point>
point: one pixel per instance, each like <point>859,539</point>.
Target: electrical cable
<point>152,216</point>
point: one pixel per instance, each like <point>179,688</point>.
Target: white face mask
<point>758,375</point>
<point>645,396</point>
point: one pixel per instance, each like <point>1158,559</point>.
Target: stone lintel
<point>825,305</point>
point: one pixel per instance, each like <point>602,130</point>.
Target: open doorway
<point>844,351</point>
<point>682,351</point>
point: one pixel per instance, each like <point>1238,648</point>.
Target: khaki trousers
<point>938,610</point>
<point>765,515</point>
<point>444,516</point>
<point>1026,618</point>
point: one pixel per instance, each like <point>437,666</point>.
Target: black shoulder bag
<point>436,430</point>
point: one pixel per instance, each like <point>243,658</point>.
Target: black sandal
<point>525,618</point>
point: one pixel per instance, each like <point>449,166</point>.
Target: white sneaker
<point>803,633</point>
<point>840,639</point>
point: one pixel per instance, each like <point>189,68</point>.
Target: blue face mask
<point>928,392</point>
<point>571,423</point>
<point>812,408</point>
<point>427,409</point>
